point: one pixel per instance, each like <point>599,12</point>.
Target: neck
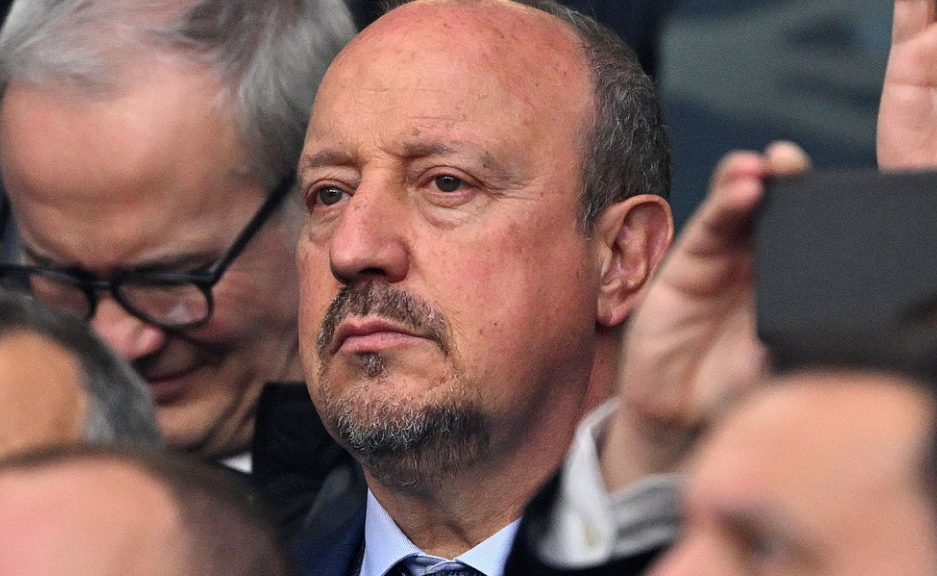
<point>462,509</point>
<point>452,519</point>
<point>603,382</point>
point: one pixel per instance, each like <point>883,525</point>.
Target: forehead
<point>834,410</point>
<point>121,170</point>
<point>453,66</point>
<point>815,451</point>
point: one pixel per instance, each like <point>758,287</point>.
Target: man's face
<point>446,290</point>
<point>152,179</point>
<point>42,397</point>
<point>818,475</point>
<point>87,519</point>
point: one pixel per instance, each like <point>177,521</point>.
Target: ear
<point>634,236</point>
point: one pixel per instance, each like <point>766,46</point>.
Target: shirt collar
<point>386,545</point>
<point>241,462</point>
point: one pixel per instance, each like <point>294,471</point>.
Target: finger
<point>911,17</point>
<point>786,159</point>
<point>737,187</point>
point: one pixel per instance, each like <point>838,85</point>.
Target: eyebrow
<point>323,158</point>
<point>488,162</point>
<point>416,150</point>
<point>749,521</point>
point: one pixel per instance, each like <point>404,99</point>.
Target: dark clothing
<point>296,465</point>
<point>523,560</point>
<point>336,551</point>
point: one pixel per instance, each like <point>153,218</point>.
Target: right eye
<point>328,195</point>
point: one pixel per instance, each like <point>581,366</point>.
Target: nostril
<point>348,278</point>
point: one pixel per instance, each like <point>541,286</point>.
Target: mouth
<point>361,335</point>
<point>168,386</point>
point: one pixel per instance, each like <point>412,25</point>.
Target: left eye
<point>448,183</point>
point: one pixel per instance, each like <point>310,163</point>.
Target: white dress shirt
<point>386,545</point>
<point>587,525</point>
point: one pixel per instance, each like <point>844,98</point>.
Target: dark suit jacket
<point>322,550</point>
<point>296,463</point>
<point>336,551</point>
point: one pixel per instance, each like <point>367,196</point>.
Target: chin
<point>406,442</point>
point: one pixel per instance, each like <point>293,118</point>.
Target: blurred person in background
<point>59,384</point>
<point>93,512</point>
<point>148,151</point>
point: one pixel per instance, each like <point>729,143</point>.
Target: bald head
<point>624,149</point>
<point>510,41</point>
<point>87,511</point>
<point>87,518</point>
<point>494,57</point>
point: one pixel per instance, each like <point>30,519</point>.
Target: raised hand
<point>907,119</point>
<point>691,345</point>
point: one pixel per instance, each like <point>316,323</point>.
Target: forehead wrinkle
<point>168,262</point>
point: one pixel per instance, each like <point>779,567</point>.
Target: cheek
<point>252,304</point>
<point>518,302</point>
<point>317,288</point>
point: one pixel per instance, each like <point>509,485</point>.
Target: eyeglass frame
<point>205,281</point>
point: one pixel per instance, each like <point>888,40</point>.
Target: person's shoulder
<point>321,551</point>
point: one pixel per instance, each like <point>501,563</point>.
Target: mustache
<point>374,298</point>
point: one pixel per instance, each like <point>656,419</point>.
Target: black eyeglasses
<point>166,299</point>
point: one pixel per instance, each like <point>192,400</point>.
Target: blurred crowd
<point>467,287</point>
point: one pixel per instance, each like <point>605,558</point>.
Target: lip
<point>168,387</point>
<point>369,334</point>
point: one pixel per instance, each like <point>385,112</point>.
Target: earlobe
<point>635,234</point>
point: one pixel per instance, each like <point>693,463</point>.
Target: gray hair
<point>269,56</point>
<point>627,149</point>
<point>120,405</point>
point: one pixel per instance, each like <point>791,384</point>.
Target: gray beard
<point>407,448</point>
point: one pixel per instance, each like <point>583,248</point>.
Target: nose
<point>371,237</point>
<point>129,336</point>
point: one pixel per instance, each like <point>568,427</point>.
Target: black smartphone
<point>845,265</point>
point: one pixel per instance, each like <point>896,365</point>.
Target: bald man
<point>484,186</point>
